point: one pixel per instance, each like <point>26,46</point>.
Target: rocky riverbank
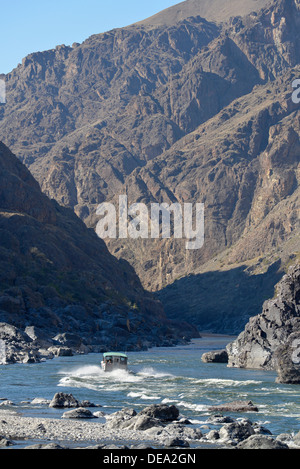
<point>82,425</point>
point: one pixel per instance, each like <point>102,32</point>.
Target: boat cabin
<point>114,361</point>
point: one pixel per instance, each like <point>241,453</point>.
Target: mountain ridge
<point>105,116</point>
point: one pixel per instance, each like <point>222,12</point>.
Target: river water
<point>160,375</point>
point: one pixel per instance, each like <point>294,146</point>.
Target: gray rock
<point>285,438</point>
<point>4,442</point>
<point>60,351</point>
<point>87,403</point>
<point>255,347</point>
<point>296,439</point>
<point>218,356</point>
<point>261,430</point>
<point>61,400</point>
<point>70,340</point>
<point>287,360</point>
<point>236,432</point>
<point>40,401</point>
<point>142,423</point>
<point>261,442</point>
<point>218,419</point>
<point>213,435</point>
<point>79,413</point>
<point>47,446</point>
<point>120,419</point>
<point>175,430</point>
<point>162,412</point>
<point>176,442</point>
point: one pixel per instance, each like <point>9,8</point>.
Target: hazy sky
<point>37,25</point>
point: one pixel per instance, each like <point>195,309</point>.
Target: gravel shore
<point>157,426</point>
<point>67,432</point>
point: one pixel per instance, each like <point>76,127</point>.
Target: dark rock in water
<point>79,413</point>
<point>61,400</point>
<point>161,411</point>
<point>217,419</point>
<point>261,442</point>
<point>219,356</point>
<point>235,406</point>
<point>255,347</point>
<point>287,360</point>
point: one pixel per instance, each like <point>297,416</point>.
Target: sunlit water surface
<point>161,375</point>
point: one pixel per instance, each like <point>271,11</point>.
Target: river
<point>160,375</point>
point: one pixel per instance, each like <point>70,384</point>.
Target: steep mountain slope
<point>244,166</point>
<point>58,276</point>
<point>191,105</point>
<point>213,10</point>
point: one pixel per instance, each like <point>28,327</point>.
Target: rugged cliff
<point>267,341</point>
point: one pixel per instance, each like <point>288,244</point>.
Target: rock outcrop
<point>271,339</point>
<point>287,360</point>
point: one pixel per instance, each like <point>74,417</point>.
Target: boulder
<point>161,412</point>
<point>61,400</point>
<point>176,442</point>
<point>234,433</point>
<point>261,442</point>
<point>69,340</point>
<point>296,439</point>
<point>79,413</point>
<point>213,435</point>
<point>219,419</point>
<point>40,401</point>
<point>62,351</point>
<point>142,423</point>
<point>218,356</point>
<point>177,431</point>
<point>120,419</point>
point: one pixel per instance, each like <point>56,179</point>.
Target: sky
<point>38,25</point>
